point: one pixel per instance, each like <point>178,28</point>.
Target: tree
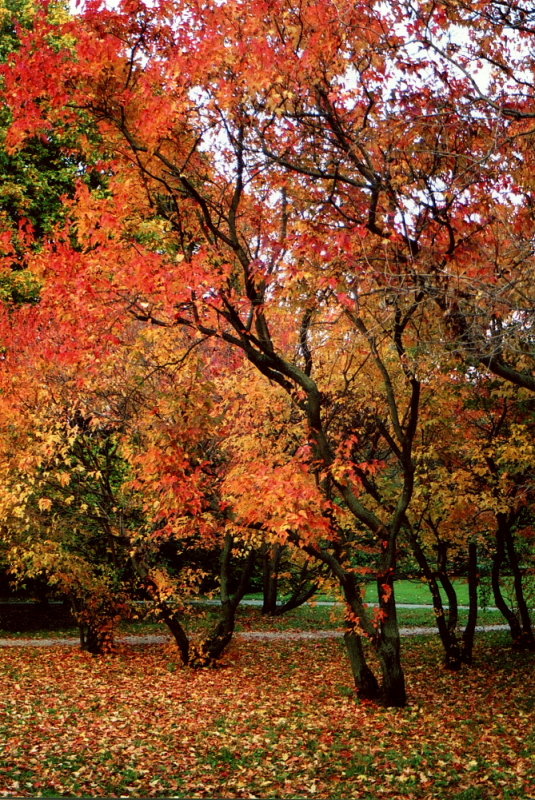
<point>473,488</point>
<point>36,178</point>
<point>314,211</point>
<point>481,60</point>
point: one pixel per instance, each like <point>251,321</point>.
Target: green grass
<point>407,591</point>
<point>327,618</point>
<point>417,592</point>
<point>307,618</point>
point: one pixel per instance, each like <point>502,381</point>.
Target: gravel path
<point>288,635</point>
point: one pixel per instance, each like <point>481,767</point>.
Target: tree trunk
<point>96,638</point>
<point>95,630</point>
<point>388,648</point>
<point>170,617</point>
<point>365,681</point>
<point>298,598</point>
<point>303,587</point>
<point>272,558</point>
<point>208,652</point>
<point>473,581</point>
<point>497,561</point>
<point>446,626</point>
<point>526,639</point>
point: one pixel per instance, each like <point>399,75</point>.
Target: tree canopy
<point>298,254</point>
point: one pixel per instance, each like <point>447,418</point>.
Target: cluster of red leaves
<point>279,721</point>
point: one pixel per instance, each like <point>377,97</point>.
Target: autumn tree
<point>481,58</point>
<point>342,225</point>
<point>37,178</point>
<point>176,450</point>
<point>110,471</point>
<point>472,496</point>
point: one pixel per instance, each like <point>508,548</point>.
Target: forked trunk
<point>445,625</point>
<point>501,605</point>
<point>208,652</point>
<point>526,639</point>
<point>366,683</point>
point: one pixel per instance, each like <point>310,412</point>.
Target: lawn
<point>417,592</point>
<point>278,721</point>
<point>307,617</point>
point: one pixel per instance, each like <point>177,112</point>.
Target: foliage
<point>36,179</point>
<point>280,721</point>
<point>308,274</point>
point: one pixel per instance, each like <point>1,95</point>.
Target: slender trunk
<point>365,681</point>
<point>271,564</point>
<point>303,588</point>
<point>446,626</point>
<point>298,598</point>
<point>454,656</point>
<point>473,581</point>
<point>170,617</point>
<point>211,649</point>
<point>521,629</point>
<point>385,637</point>
<point>497,561</point>
<point>447,585</point>
<point>207,653</point>
<point>526,639</point>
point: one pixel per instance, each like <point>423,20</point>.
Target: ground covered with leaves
<point>279,719</point>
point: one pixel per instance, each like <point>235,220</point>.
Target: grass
<point>308,618</point>
<point>280,721</point>
<point>408,591</point>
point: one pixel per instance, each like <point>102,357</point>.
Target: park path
<point>154,638</point>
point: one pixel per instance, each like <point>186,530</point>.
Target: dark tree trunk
<point>446,625</point>
<point>497,562</point>
<point>211,649</point>
<point>95,630</point>
<point>385,638</point>
<point>365,681</point>
<point>298,598</point>
<point>473,581</point>
<point>96,639</point>
<point>168,615</point>
<point>526,638</point>
<point>304,588</point>
<point>272,557</point>
<point>171,619</point>
<point>388,648</point>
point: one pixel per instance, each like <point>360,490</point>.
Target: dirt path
<point>288,635</point>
